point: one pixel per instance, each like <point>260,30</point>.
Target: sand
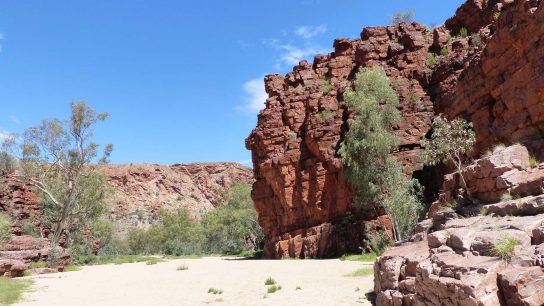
<point>322,282</point>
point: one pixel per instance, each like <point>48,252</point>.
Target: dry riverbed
<point>303,282</point>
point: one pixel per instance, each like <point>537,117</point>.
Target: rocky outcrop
<point>299,184</point>
<point>456,260</point>
<point>139,192</point>
<point>491,77</point>
<point>25,249</point>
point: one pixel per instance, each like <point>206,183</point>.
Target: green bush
<point>325,115</point>
<point>463,32</point>
<point>270,281</point>
<point>5,228</point>
<point>431,59</point>
<point>505,249</point>
<point>327,86</point>
<point>273,288</point>
<point>444,51</point>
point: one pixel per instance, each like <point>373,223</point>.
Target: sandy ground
<point>322,282</point>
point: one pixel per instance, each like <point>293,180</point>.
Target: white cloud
<point>292,55</point>
<point>14,119</point>
<point>255,95</point>
<point>308,32</point>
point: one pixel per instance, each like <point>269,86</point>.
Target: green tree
<point>375,175</point>
<point>56,160</point>
<point>232,222</point>
<point>450,140</point>
<point>400,17</point>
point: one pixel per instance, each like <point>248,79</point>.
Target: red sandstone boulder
<point>523,286</point>
<point>12,267</point>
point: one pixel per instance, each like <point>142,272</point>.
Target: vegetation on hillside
<point>225,230</point>
<point>375,175</point>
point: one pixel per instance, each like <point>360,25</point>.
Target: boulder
<point>523,286</point>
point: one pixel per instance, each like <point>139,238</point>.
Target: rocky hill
<point>492,76</point>
<point>139,191</point>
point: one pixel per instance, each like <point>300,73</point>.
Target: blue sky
<point>182,80</point>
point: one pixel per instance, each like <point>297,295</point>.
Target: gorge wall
<point>491,77</point>
<point>139,192</point>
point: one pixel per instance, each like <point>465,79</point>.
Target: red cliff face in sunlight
<point>139,191</point>
<point>493,77</point>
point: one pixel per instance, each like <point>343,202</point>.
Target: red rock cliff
<point>139,192</point>
<point>493,77</point>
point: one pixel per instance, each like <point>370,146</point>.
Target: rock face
<point>455,260</point>
<point>21,250</point>
<point>492,78</point>
<point>139,192</point>
<point>299,184</point>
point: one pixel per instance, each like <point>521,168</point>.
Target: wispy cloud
<point>255,96</point>
<point>292,55</point>
<point>1,38</point>
<point>14,119</point>
<point>308,32</point>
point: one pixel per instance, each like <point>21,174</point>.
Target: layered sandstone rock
<point>25,249</point>
<point>139,192</point>
<point>455,262</point>
<point>491,78</point>
<point>300,192</point>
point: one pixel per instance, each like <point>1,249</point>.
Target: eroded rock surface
<point>456,261</point>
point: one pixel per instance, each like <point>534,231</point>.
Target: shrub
<point>153,261</point>
<point>5,228</point>
<point>444,51</point>
<point>431,59</point>
<point>379,243</point>
<point>498,147</point>
<point>496,15</point>
<point>270,281</point>
<point>273,288</point>
<point>463,32</point>
<point>298,288</point>
<point>506,197</point>
<point>413,97</point>
<point>484,211</point>
<point>400,17</point>
<point>325,115</point>
<point>182,267</point>
<point>475,40</point>
<point>505,249</point>
<point>533,161</point>
<point>327,86</point>
<point>215,291</point>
